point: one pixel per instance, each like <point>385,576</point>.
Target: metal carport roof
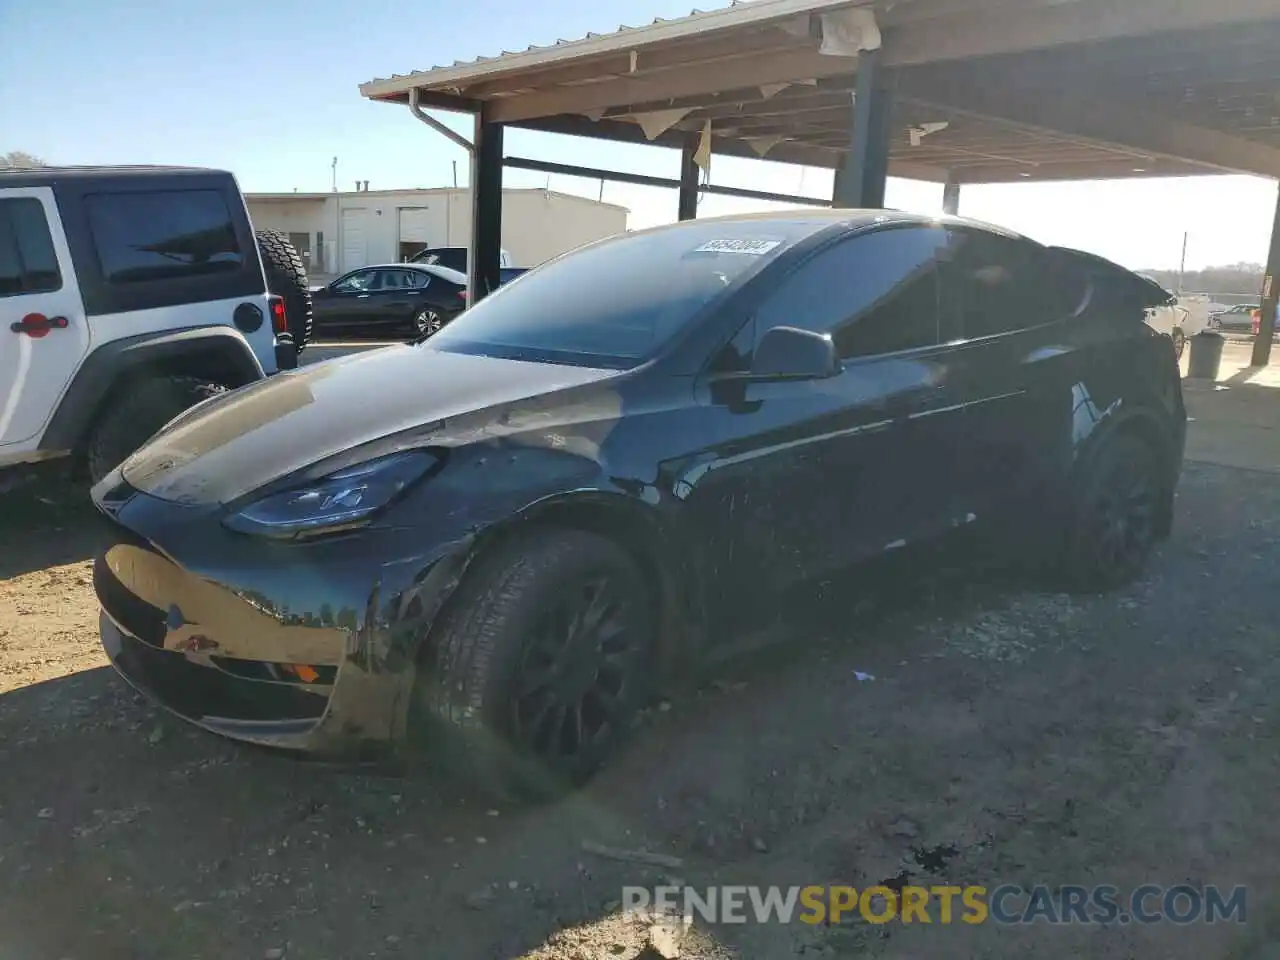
<point>985,90</point>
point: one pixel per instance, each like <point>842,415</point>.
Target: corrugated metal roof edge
<point>738,14</point>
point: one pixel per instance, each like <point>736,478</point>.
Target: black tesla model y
<point>508,535</point>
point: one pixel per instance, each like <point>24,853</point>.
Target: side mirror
<point>789,353</point>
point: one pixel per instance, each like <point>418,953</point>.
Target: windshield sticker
<point>753,248</point>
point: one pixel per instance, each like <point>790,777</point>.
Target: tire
<point>136,413</point>
<point>505,687</point>
<point>1179,343</point>
<point>287,279</point>
<point>426,323</point>
<point>1119,514</point>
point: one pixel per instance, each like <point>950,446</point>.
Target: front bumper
<point>306,647</point>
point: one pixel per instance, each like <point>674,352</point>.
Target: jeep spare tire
<point>135,412</point>
<point>287,279</point>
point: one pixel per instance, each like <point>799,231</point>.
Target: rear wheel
<point>540,662</point>
<point>135,413</point>
<point>1118,514</point>
<point>287,279</point>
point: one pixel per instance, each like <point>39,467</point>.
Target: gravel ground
<point>1030,737</point>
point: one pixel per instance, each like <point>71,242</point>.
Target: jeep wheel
<point>135,413</point>
<point>287,279</point>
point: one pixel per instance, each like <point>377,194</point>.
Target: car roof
<point>448,273</point>
<point>851,219</point>
<point>42,176</point>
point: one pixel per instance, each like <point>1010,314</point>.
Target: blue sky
<point>268,89</point>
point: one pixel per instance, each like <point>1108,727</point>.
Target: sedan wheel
<point>427,323</point>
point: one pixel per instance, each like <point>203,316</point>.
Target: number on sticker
<point>754,248</point>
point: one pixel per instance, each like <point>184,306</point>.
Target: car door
<point>1012,367</point>
<point>43,329</point>
<point>812,476</point>
<point>396,297</point>
<point>347,299</point>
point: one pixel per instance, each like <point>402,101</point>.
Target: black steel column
<point>483,274</point>
<point>689,175</point>
<point>951,198</point>
<point>1270,296</point>
<point>861,181</point>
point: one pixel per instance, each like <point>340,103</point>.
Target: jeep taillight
<point>279,319</point>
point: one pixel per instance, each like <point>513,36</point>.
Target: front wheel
<point>540,662</point>
<point>135,412</point>
<point>1121,502</point>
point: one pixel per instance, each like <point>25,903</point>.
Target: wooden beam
<point>694,80</point>
<point>647,60</point>
<point>801,154</point>
<point>1134,126</point>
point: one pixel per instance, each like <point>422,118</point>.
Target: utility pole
<point>1182,270</point>
<point>333,170</point>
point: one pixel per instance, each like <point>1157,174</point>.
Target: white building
<point>337,232</point>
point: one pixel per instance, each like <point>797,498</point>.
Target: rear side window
<point>28,261</point>
<point>998,284</point>
<point>163,235</point>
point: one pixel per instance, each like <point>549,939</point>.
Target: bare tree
<point>17,160</point>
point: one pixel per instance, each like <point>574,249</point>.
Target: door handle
<point>36,325</point>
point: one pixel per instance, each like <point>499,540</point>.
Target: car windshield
<point>616,303</point>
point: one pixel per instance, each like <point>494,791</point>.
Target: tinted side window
<point>162,235</point>
<point>997,284</point>
<point>876,293</point>
<point>28,262</point>
<point>356,282</point>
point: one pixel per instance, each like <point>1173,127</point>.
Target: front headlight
<point>343,499</point>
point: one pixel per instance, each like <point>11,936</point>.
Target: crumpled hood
<point>236,444</point>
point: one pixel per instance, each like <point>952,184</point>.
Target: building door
<point>415,230</point>
<point>355,243</point>
<point>302,243</point>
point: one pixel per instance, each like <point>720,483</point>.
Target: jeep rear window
<point>163,235</point>
<point>28,263</point>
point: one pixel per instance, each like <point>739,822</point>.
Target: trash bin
<point>1206,356</point>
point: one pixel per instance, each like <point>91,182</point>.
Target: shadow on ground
<point>47,523</point>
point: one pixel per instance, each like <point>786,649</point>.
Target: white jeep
<point>128,294</point>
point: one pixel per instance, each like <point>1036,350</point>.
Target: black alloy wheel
<point>573,684</point>
<point>1118,519</point>
<point>534,673</point>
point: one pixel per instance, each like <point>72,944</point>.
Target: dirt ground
<point>1121,739</point>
